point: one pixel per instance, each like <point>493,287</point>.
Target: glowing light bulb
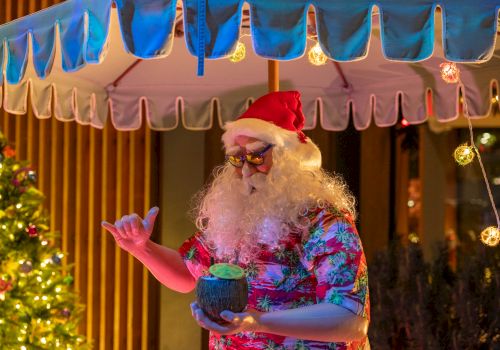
<point>449,72</point>
<point>405,122</point>
<point>464,154</point>
<point>239,53</point>
<point>413,238</point>
<point>490,236</point>
<point>316,55</point>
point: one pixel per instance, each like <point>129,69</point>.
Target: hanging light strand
<point>491,235</point>
<point>451,74</point>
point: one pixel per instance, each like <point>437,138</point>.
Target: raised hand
<point>131,233</point>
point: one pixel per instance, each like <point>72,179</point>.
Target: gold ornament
<point>316,55</point>
<point>464,154</point>
<point>450,72</point>
<point>490,236</point>
<point>239,53</point>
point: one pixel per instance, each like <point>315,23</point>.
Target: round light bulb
<point>316,55</point>
<point>239,53</point>
<point>490,236</point>
<point>449,72</point>
<point>464,154</point>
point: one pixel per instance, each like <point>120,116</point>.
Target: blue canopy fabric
<point>278,30</point>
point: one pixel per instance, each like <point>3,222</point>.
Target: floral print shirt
<point>327,266</point>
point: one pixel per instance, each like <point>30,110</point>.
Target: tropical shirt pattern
<point>327,266</point>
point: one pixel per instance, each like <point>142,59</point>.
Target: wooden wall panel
<point>89,175</point>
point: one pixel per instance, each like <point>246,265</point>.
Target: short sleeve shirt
<point>327,266</point>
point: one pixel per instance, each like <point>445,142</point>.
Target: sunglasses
<point>254,158</point>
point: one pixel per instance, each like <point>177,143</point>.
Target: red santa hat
<point>276,118</point>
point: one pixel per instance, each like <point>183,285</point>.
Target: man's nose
<point>248,170</point>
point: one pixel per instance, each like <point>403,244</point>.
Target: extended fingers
<point>127,226</point>
<point>135,224</point>
<point>110,228</point>
<point>149,220</point>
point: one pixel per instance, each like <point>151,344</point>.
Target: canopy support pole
<point>273,74</point>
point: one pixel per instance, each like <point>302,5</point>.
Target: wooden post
<point>273,75</point>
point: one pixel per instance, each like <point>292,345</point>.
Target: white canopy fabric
<point>89,74</point>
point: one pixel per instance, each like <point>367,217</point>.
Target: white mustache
<point>254,183</point>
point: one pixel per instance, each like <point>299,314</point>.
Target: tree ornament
<point>239,53</point>
<point>32,230</point>
<point>22,178</point>
<point>450,72</point>
<point>464,154</point>
<point>5,285</point>
<point>32,176</point>
<point>26,267</point>
<point>56,259</point>
<point>316,55</point>
<point>8,152</point>
<point>66,313</point>
<point>490,236</point>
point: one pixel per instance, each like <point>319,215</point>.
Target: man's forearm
<point>321,322</point>
<point>167,266</point>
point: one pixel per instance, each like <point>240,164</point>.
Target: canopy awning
<point>76,54</point>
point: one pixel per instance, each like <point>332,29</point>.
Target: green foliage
<point>420,305</point>
<point>38,309</point>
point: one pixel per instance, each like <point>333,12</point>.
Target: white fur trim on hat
<point>308,153</point>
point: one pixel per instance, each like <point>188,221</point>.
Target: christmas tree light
<point>35,290</point>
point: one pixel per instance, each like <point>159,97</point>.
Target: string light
<point>450,72</point>
<point>464,154</point>
<point>413,238</point>
<point>490,236</point>
<point>316,55</point>
<point>239,53</point>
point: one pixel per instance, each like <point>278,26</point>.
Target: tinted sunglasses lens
<point>235,161</point>
<point>255,159</point>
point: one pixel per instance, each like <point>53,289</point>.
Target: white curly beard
<point>238,215</point>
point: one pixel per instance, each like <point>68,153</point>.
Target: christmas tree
<point>38,309</point>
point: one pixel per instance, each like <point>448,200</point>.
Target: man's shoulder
<point>327,210</point>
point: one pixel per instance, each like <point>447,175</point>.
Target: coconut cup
<point>215,294</point>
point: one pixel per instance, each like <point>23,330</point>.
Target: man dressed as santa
<point>274,212</point>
